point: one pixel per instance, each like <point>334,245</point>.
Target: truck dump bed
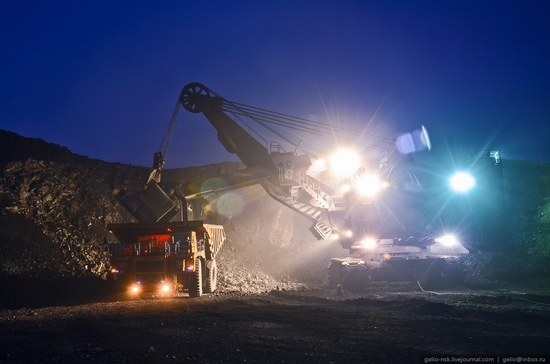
<point>127,232</point>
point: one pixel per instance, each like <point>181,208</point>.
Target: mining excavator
<point>395,227</point>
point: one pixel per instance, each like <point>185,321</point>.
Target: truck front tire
<point>195,288</point>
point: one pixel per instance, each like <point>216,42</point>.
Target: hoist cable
<point>289,120</point>
<point>263,116</point>
<point>167,138</point>
<point>261,119</point>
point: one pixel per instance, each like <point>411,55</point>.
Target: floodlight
<point>462,182</point>
<point>368,243</point>
<point>344,163</point>
<point>447,240</point>
<point>368,184</point>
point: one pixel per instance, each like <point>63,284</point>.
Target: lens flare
<point>230,205</point>
<point>414,141</point>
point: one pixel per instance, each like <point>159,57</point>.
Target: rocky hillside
<point>56,205</point>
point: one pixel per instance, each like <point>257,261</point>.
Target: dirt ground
<point>385,323</point>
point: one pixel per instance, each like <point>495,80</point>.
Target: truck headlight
<point>135,288</point>
<point>165,288</point>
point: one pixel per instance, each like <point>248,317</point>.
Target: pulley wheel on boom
<point>192,95</point>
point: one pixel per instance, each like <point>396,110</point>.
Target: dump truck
<point>163,258</point>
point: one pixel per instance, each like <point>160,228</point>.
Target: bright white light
<point>345,188</point>
<point>318,165</point>
<point>165,288</point>
<point>462,182</point>
<point>344,163</point>
<point>368,243</point>
<point>134,288</point>
<point>349,233</point>
<point>447,240</point>
<point>368,184</point>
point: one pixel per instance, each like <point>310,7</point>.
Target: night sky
<point>102,77</point>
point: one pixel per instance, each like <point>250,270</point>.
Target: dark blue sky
<point>102,77</point>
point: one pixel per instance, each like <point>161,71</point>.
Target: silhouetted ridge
<point>16,147</point>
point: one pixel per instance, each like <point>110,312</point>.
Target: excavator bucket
<point>151,204</point>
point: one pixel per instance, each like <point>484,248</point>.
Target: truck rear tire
<point>211,280</point>
<point>195,288</point>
